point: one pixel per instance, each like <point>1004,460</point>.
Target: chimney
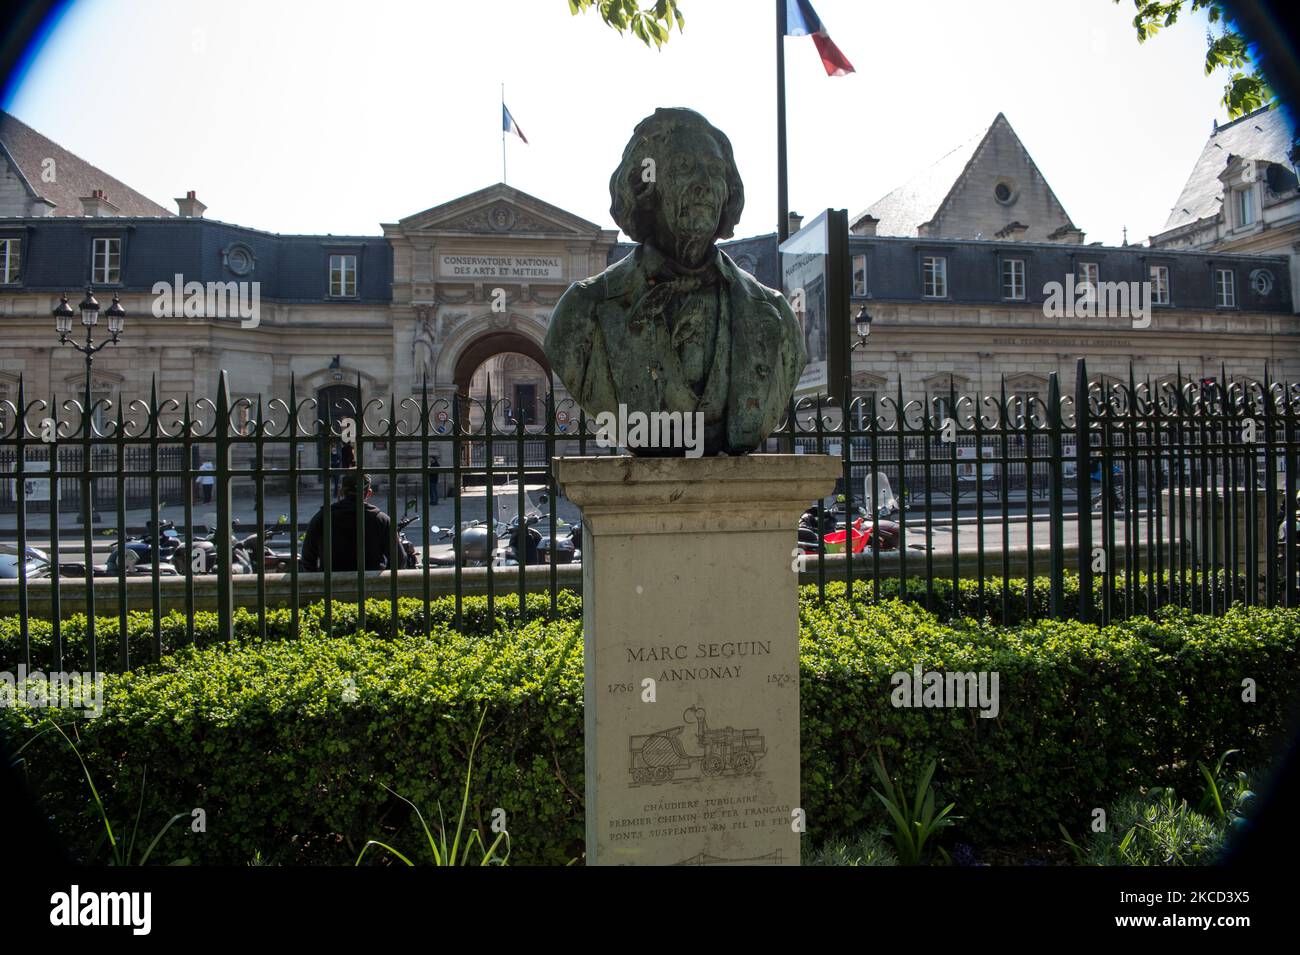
<point>97,204</point>
<point>190,207</point>
<point>864,225</point>
<point>794,222</point>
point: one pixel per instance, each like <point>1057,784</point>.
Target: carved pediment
<point>500,217</point>
<point>499,210</point>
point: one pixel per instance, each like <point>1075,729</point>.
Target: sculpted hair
<point>632,200</point>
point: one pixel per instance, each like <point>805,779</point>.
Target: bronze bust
<point>677,326</point>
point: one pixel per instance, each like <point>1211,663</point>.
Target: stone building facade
<point>1243,194</point>
<point>465,289</point>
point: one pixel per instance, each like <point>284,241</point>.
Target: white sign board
<point>36,488</point>
<point>515,268</point>
<point>966,471</point>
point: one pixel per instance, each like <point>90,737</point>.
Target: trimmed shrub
<point>279,626</point>
<point>263,737</point>
<point>1152,595</point>
<point>1086,712</point>
<point>259,733</point>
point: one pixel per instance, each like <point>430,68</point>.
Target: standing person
<point>343,531</point>
<point>206,480</point>
<point>336,462</point>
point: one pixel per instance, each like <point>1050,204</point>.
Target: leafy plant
<point>868,849</point>
<point>1227,798</point>
<point>1109,852</point>
<point>651,25</point>
<point>917,823</point>
<point>122,855</point>
<point>1247,88</point>
<point>455,854</point>
<point>1158,829</point>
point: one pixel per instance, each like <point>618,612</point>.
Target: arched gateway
<point>474,283</point>
<point>476,278</point>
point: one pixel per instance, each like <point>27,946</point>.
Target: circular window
<point>1004,193</point>
<point>238,258</point>
<point>1261,280</point>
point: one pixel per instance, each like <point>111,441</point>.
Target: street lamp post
<point>862,321</point>
<point>63,316</point>
<point>89,308</point>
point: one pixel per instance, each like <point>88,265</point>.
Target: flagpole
<point>782,190</point>
<point>503,135</point>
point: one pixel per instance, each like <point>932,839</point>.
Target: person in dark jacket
<point>343,531</point>
<point>336,464</point>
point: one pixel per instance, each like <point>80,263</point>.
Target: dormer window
<point>1087,278</point>
<point>106,261</point>
<point>10,261</point>
<point>343,276</point>
<point>1225,288</point>
<point>1245,206</point>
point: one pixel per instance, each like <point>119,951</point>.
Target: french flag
<point>509,125</point>
<point>802,20</point>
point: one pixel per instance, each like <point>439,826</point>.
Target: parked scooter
<point>410,556</point>
<point>140,551</point>
<point>814,524</point>
<point>473,542</point>
<point>820,528</point>
<point>567,546</point>
<point>200,553</point>
<point>260,550</point>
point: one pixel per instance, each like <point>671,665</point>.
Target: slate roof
<point>1264,134</point>
<point>75,177</point>
<point>914,203</point>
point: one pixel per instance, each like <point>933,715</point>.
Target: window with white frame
<point>1246,206</point>
<point>1225,288</point>
<point>1087,279</point>
<point>10,261</point>
<point>1159,285</point>
<point>934,276</point>
<point>343,276</point>
<point>101,399</point>
<point>1013,279</point>
<point>860,276</point>
<point>106,261</point>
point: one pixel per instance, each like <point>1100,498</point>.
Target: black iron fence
<point>105,486</point>
<point>1183,492</point>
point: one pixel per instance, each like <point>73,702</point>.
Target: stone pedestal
<point>690,619</point>
<point>1211,518</point>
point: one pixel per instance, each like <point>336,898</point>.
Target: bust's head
<point>677,185</point>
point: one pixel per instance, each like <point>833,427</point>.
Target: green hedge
<point>972,601</point>
<point>259,736</point>
<point>1086,712</point>
<point>1201,592</point>
<point>279,626</point>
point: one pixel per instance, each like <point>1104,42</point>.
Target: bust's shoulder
<point>607,284</point>
<point>752,286</point>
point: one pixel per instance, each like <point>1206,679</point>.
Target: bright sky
<point>332,116</point>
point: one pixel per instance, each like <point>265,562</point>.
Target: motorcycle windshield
<point>506,498</point>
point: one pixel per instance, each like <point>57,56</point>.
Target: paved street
<point>1018,529</point>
